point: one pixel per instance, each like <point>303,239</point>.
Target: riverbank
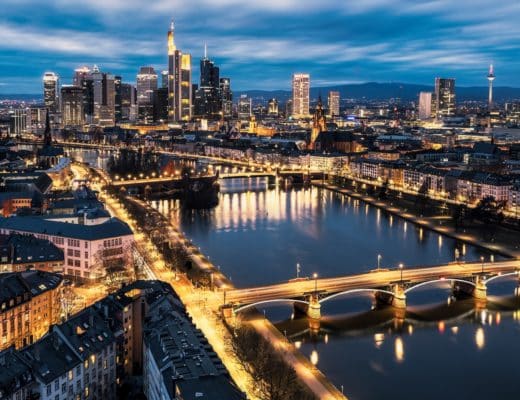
<point>308,374</point>
<point>441,226</point>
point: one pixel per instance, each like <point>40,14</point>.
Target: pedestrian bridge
<point>389,286</point>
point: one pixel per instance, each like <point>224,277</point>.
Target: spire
<point>205,50</point>
<point>172,26</point>
<point>47,137</point>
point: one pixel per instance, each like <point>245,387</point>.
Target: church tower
<point>319,124</point>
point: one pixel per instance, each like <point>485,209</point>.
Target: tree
<point>116,265</point>
<point>274,379</point>
<point>421,199</point>
<point>489,211</point>
<point>383,190</point>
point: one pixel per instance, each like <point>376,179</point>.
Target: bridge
<point>143,181</point>
<point>389,286</point>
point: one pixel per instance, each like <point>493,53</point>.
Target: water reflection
<point>259,232</point>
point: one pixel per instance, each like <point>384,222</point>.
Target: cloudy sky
<point>260,43</point>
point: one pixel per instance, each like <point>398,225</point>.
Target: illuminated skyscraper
<point>83,78</point>
<point>245,107</point>
<point>208,103</point>
<point>301,90</point>
<point>182,86</point>
<point>104,98</point>
<point>51,92</point>
<point>72,114</point>
<point>272,107</point>
<point>226,96</point>
<point>491,77</point>
<point>146,85</point>
<point>444,97</point>
<point>178,81</point>
<point>171,73</point>
<point>333,104</point>
<point>425,105</point>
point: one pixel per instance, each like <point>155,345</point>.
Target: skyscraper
<point>333,104</point>
<point>491,77</point>
<point>72,114</point>
<point>117,100</point>
<point>171,72</point>
<point>178,81</point>
<point>245,107</point>
<point>272,107</point>
<point>226,97</point>
<point>300,98</point>
<point>104,98</point>
<point>425,105</point>
<point>146,85</point>
<point>208,103</point>
<point>51,92</point>
<point>83,78</point>
<point>444,97</point>
<point>128,102</point>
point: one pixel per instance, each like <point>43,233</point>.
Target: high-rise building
<point>72,114</point>
<point>18,121</point>
<point>83,78</point>
<point>301,94</point>
<point>209,102</point>
<point>164,79</point>
<point>51,83</point>
<point>104,98</point>
<point>117,99</point>
<point>171,73</point>
<point>128,102</point>
<point>490,77</point>
<point>160,105</point>
<point>182,86</point>
<point>178,81</point>
<point>226,96</point>
<point>333,104</point>
<point>444,97</point>
<point>272,107</point>
<point>245,107</point>
<point>425,105</point>
<point>146,85</point>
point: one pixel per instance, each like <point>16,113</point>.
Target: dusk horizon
<point>260,46</point>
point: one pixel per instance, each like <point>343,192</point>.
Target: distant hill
<point>368,91</point>
<point>385,91</point>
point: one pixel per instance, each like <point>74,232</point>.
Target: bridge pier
<point>480,291</point>
<point>314,309</point>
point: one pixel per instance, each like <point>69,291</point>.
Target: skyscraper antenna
<point>205,50</point>
<point>172,26</point>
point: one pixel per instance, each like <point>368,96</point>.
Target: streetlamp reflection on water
<point>480,339</point>
<point>399,349</point>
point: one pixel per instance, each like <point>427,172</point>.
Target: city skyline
<point>260,46</point>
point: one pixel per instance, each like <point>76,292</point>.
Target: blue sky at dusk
<point>259,44</point>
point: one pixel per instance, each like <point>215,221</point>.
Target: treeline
<point>134,162</point>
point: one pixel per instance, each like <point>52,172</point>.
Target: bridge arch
<point>352,291</point>
<point>438,281</point>
<point>258,303</point>
<point>516,273</point>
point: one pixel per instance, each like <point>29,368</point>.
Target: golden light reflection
<point>498,318</point>
<point>399,349</point>
<point>441,326</point>
<point>480,340</point>
<point>326,339</point>
<point>379,338</point>
<point>454,330</point>
<point>314,357</point>
<point>410,329</point>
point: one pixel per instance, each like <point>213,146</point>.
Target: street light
<point>315,276</point>
<point>379,257</point>
<point>482,261</point>
<point>401,266</point>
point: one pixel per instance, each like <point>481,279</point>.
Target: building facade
<point>300,95</point>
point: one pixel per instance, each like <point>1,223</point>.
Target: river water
<point>441,348</point>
